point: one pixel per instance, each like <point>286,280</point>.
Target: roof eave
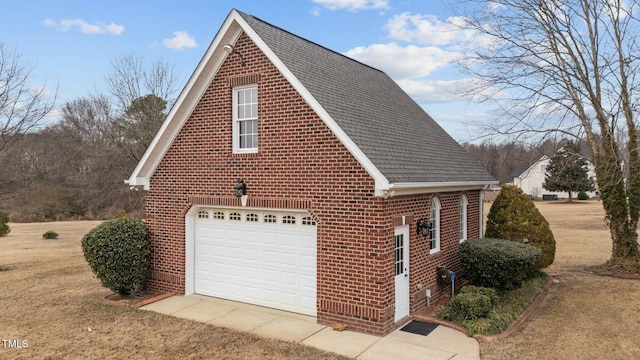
<point>413,188</point>
<point>136,182</point>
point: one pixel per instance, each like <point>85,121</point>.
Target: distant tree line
<point>503,159</point>
<point>75,168</point>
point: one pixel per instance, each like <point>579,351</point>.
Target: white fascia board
<point>381,181</point>
<point>185,104</point>
<point>396,189</point>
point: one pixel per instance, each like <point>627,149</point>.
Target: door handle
<point>406,273</point>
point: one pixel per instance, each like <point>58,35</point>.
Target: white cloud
<point>85,27</point>
<point>180,40</point>
<point>404,62</point>
<point>428,29</point>
<point>352,5</point>
<point>41,90</point>
<point>434,91</point>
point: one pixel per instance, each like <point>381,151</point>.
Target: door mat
<point>419,327</point>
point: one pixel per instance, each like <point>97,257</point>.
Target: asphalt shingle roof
<point>404,143</point>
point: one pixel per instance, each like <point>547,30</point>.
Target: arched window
<point>434,220</point>
<point>464,202</point>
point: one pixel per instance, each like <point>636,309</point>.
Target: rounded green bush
<point>583,196</point>
<point>489,292</point>
<point>498,264</point>
<point>50,235</point>
<point>4,223</point>
<point>467,306</point>
<point>513,216</point>
<point>119,254</point>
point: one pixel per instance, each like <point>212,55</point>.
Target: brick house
<point>339,165</point>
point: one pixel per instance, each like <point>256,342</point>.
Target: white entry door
<point>402,272</point>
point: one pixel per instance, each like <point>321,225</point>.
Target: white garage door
<point>267,258</point>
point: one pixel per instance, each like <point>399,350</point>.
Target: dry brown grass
<point>49,298</point>
<point>585,316</point>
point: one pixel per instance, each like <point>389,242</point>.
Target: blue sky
<point>71,43</point>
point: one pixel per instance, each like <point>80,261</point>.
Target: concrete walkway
<point>442,343</point>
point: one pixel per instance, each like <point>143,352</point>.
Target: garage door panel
<point>266,262</point>
<point>270,276</point>
<point>289,259</point>
<point>290,299</point>
<point>270,257</point>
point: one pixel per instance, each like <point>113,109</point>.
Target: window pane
<point>399,254</point>
<point>247,104</point>
<point>240,97</point>
<point>248,134</point>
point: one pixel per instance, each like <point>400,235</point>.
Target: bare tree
<point>23,105</point>
<point>76,166</point>
<point>142,92</point>
<point>570,67</point>
<point>132,77</point>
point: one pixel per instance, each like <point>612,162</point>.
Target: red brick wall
<point>300,164</point>
<point>423,265</point>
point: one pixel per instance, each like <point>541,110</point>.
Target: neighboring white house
<point>531,180</point>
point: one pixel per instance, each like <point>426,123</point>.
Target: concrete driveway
<point>442,343</point>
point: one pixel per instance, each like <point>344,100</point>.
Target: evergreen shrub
<point>472,302</point>
<point>119,254</point>
<point>4,223</point>
<point>50,235</point>
<point>513,216</point>
<point>498,264</point>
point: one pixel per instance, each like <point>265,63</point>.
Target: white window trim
<point>464,226</point>
<point>435,203</point>
<point>481,214</point>
<point>236,123</point>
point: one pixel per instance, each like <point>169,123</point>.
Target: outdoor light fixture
<point>240,188</point>
<point>229,49</point>
<point>423,227</point>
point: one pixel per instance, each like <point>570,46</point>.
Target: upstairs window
<point>245,119</point>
